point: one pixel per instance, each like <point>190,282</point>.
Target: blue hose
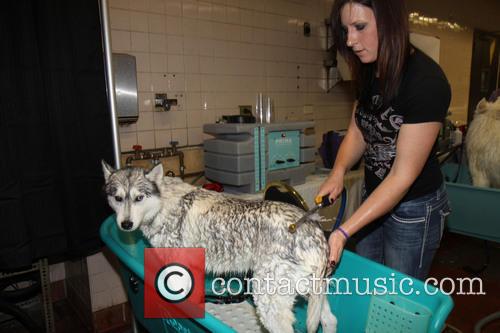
<point>343,204</point>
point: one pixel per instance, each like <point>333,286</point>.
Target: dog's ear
<point>156,174</point>
<point>107,170</point>
<point>482,106</point>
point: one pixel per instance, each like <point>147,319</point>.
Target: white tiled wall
<point>106,288</point>
<point>215,55</point>
<point>57,272</point>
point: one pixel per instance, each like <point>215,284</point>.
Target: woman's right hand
<point>333,186</point>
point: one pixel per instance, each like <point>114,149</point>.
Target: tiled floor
<point>456,252</point>
<point>67,320</point>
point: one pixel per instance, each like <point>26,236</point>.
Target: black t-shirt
<point>424,96</point>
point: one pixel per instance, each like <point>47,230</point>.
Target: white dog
<point>483,144</point>
<point>238,236</point>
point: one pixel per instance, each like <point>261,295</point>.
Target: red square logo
<point>174,283</point>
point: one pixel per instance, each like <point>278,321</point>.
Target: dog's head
<point>486,107</point>
<point>134,194</point>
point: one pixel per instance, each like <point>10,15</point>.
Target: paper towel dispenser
<point>125,73</point>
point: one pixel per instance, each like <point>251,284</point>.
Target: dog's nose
<point>127,225</point>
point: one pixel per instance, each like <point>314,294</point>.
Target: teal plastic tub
<point>475,211</point>
<point>356,310</point>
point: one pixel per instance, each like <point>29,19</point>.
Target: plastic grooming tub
<point>475,211</point>
<point>356,310</point>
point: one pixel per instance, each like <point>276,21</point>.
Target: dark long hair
<point>393,46</point>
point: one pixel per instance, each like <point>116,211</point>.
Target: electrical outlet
<point>245,110</point>
<point>308,109</point>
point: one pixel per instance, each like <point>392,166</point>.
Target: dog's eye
<point>118,198</point>
<point>139,198</point>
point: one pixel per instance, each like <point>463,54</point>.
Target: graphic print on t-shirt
<point>423,96</point>
<point>380,131</point>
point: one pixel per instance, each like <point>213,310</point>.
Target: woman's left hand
<point>336,242</point>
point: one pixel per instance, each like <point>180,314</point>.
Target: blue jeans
<point>407,238</point>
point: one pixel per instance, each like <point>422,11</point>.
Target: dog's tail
<point>314,305</point>
<point>316,299</point>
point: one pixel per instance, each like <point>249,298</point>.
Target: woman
<point>402,99</point>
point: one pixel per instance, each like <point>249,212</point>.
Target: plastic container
<point>356,312</point>
<point>245,157</point>
<point>475,211</point>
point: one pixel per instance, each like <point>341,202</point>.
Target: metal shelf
<point>42,266</point>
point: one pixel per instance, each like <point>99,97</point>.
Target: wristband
<point>346,235</point>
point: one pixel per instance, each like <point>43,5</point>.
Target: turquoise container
<point>423,310</point>
<point>475,211</point>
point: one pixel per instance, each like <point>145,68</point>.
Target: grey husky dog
<point>238,236</point>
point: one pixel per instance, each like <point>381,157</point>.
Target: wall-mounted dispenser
<point>124,68</point>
